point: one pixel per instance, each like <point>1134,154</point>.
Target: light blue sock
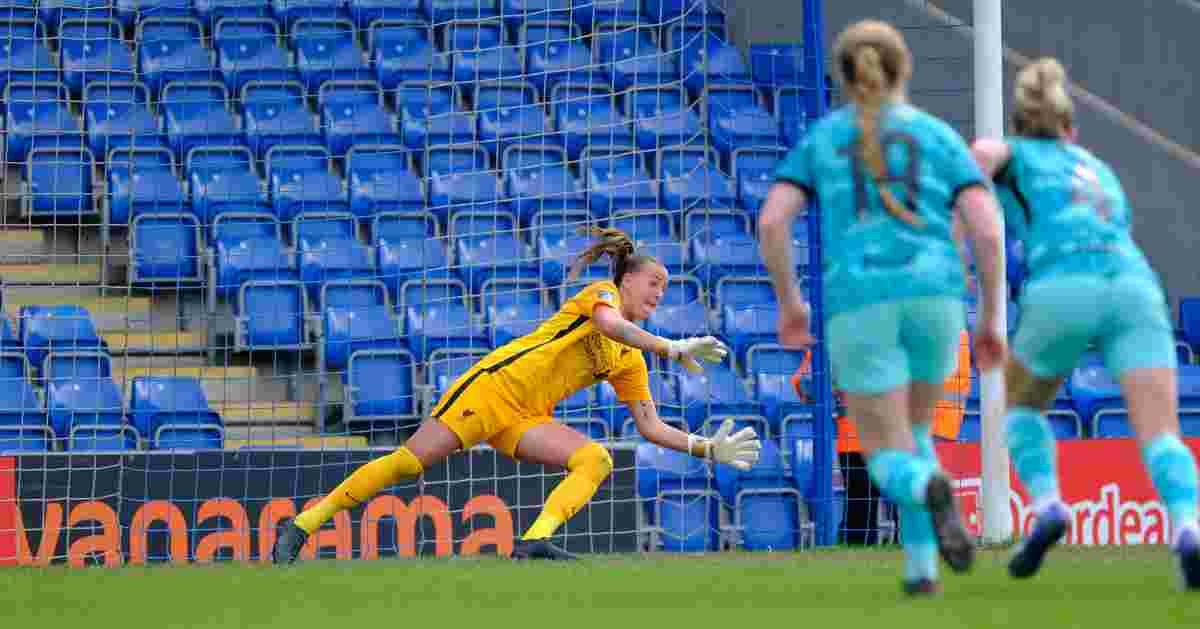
<point>901,476</point>
<point>1034,455</point>
<point>916,525</point>
<point>1173,470</point>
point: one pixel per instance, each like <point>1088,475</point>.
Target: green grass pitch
<point>1129,587</point>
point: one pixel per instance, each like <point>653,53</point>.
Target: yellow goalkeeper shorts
<point>476,410</point>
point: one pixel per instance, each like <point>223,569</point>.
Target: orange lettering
<point>51,528</point>
<point>338,537</point>
<point>406,523</point>
<point>107,543</point>
<point>500,536</point>
<point>139,528</point>
<point>269,518</point>
<point>237,537</point>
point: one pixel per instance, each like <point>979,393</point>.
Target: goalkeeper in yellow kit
<point>508,397</point>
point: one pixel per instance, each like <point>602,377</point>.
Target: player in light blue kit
<point>1088,284</point>
<point>889,177</point>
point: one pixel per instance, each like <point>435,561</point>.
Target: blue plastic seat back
<point>498,95</point>
<point>1189,319</point>
<point>317,231</point>
<point>442,161</point>
<point>285,161</point>
<point>190,101</point>
<point>177,437</point>
<point>713,224</point>
<point>775,359</point>
<point>93,48</point>
<point>77,365</point>
<point>465,36</point>
<point>685,161</point>
<point>752,162</point>
<point>654,101</point>
<point>354,295</point>
<point>394,228</point>
<point>432,292</point>
<point>233,227</point>
<point>60,182</point>
<point>589,106</point>
<point>349,329</point>
<point>325,43</point>
<point>108,104</point>
<point>1188,383</point>
<point>1094,389</point>
<point>649,226</point>
<point>447,367</point>
<point>83,402</point>
<point>165,247</point>
<point>482,225</point>
<point>383,384</point>
<point>718,391</point>
<point>404,51</point>
<point>624,41</point>
<point>739,292</point>
<point>777,63</point>
<point>45,329</point>
<point>682,290</point>
<point>274,314</point>
<point>422,101</point>
<point>158,400</point>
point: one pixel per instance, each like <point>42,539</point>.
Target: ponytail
<point>617,245</point>
<point>870,90</point>
<point>1043,107</point>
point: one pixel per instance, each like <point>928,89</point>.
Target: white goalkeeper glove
<point>689,351</point>
<point>739,449</point>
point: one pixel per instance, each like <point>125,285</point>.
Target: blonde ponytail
<point>1043,106</point>
<point>870,90</point>
<point>617,245</point>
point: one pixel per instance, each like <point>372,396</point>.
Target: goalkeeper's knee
<point>592,461</point>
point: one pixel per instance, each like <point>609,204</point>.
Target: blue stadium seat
<point>131,12</point>
<point>517,12</point>
<point>38,115</point>
<point>447,365</point>
<point>716,391</point>
<point>630,53</point>
<point>654,234</point>
<point>408,246</point>
<point>172,49</point>
<point>352,112</point>
<point>690,177</point>
<point>661,117</point>
<point>754,172</point>
<point>721,245</point>
<point>271,315</point>
<point>678,505</point>
<point>509,113</point>
<point>381,386</point>
<point>587,117</point>
<point>488,246</point>
<point>737,118</point>
<point>59,182</point>
<point>554,52</point>
<point>250,49</point>
<point>458,10</point>
<point>403,50</point>
<point>703,12</point>
<point>772,367</point>
<point>590,14</point>
<point>682,311</point>
<point>778,63</point>
<point>173,412</point>
<point>793,106</point>
<point>243,252</point>
<point>165,247</point>
<point>19,10</point>
<point>91,50</point>
<point>460,179</point>
<point>118,115</point>
<point>749,313</point>
<point>705,58</point>
<point>213,11</point>
<point>616,179</point>
<point>664,388</point>
<point>1189,320</point>
<point>513,308</point>
<point>593,428</point>
<point>356,315</point>
<point>8,338</point>
<point>274,113</point>
<point>142,180</point>
<point>366,13</point>
<point>328,249</point>
<point>432,114</point>
<point>326,51</point>
<point>198,114</point>
<point>19,404</point>
<point>769,512</point>
<point>557,240</point>
<point>224,179</point>
<point>288,12</point>
<point>437,316</point>
<point>537,178</point>
<point>25,55</point>
<point>480,52</point>
<point>53,13</point>
<point>382,180</point>
<point>799,432</point>
<point>1093,390</point>
<point>302,181</point>
<point>81,394</point>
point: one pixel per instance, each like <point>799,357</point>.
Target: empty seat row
<point>82,408</point>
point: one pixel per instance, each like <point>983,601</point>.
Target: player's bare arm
<point>688,352</point>
<point>738,449</point>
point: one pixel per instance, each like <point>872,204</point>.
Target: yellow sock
<point>365,482</point>
<point>589,466</point>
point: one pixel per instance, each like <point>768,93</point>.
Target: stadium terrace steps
<point>261,413</point>
<point>221,384</point>
<point>291,437</point>
<point>110,312</point>
<point>163,342</point>
<point>52,274</point>
<point>18,243</point>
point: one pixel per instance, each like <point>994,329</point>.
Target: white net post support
<point>989,122</point>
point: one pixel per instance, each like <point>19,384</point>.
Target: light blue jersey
<point>1069,209</point>
<point>869,256</point>
<point>1089,284</point>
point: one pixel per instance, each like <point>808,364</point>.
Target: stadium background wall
<point>201,507</point>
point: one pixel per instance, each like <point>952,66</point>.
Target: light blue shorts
<point>1124,316</point>
<point>885,346</point>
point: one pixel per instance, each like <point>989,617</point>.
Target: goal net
<point>247,246</point>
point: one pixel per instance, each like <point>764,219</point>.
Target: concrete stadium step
<point>140,342</point>
<point>259,413</point>
<point>221,384</point>
<point>267,437</point>
<point>59,271</point>
<point>19,243</point>
<point>111,309</point>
